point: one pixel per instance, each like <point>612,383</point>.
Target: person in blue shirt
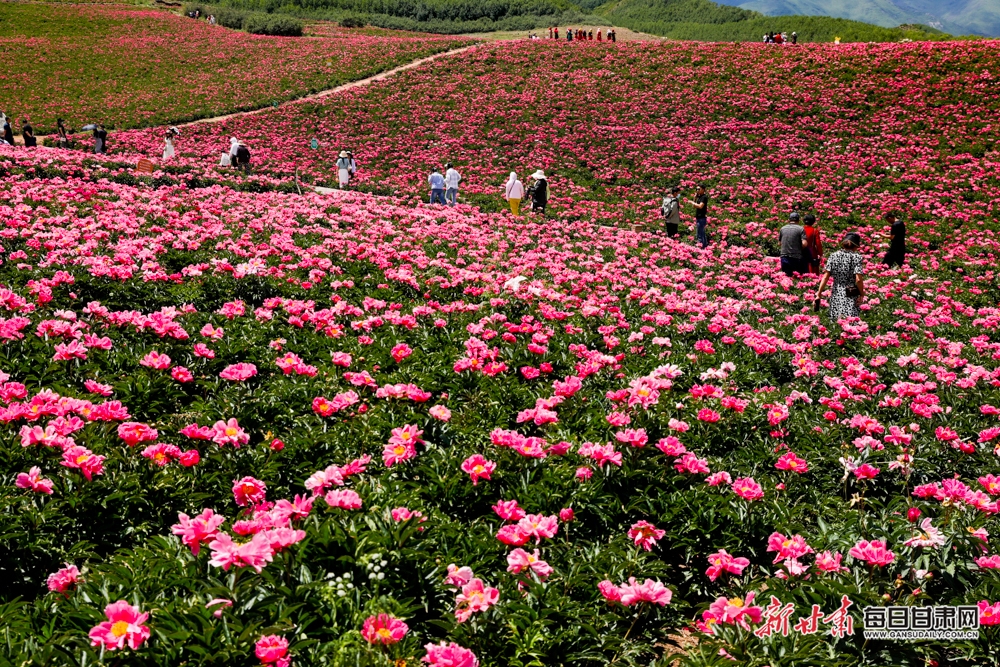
<point>437,187</point>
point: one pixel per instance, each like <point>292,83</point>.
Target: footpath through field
<point>333,91</point>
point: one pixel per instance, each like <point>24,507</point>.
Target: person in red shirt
<point>814,243</point>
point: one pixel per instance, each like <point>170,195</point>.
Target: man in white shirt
<point>451,179</point>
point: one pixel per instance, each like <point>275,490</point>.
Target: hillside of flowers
<point>848,131</point>
<point>128,66</point>
<point>245,425</point>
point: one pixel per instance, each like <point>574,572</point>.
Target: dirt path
<point>19,141</point>
<point>333,91</point>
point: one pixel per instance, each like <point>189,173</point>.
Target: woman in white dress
<point>343,169</point>
<point>168,143</point>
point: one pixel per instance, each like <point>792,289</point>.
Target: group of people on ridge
<point>781,38</point>
<point>581,35</point>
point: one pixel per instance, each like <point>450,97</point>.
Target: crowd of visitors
<point>582,35</point>
<point>781,38</point>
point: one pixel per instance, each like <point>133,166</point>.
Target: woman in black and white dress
<point>846,267</point>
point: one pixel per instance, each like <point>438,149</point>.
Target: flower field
<point>249,426</point>
<point>615,128</point>
<point>134,67</point>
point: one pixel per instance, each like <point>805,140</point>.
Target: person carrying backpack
<point>671,209</point>
<point>243,158</point>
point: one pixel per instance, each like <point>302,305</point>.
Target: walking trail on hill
<point>333,91</point>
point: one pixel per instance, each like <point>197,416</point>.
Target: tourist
<point>61,134</point>
<point>352,167</point>
<point>234,147</point>
<point>599,33</point>
<point>795,38</point>
<point>671,209</point>
<point>846,266</point>
<point>569,34</point>
<point>550,32</point>
<point>614,35</point>
<point>343,169</point>
<point>451,180</point>
<point>514,193</point>
<point>28,134</point>
<point>539,191</point>
<point>777,38</point>
<point>792,241</point>
<point>897,242</point>
<point>814,244</point>
<point>100,139</point>
<point>437,187</point>
<point>243,158</point>
<point>555,33</point>
<point>211,19</point>
<point>8,131</point>
<point>168,142</point>
<point>700,204</point>
<point>590,35</point>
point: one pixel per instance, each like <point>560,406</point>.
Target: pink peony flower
<point>134,432</point>
<point>829,562</point>
<point>475,597</point>
<point>226,553</point>
<point>271,649</point>
<point>125,625</point>
<point>440,412</point>
<point>400,352</point>
<point>156,361</point>
<point>520,560</point>
<point>33,480</point>
<point>249,491</point>
<point>989,614</point>
<point>747,488</point>
<point>344,499</point>
<point>84,460</point>
<point>478,468</point>
<point>874,553</point>
<point>181,374</point>
<point>928,536</point>
<point>229,433</point>
<point>238,372</point>
<point>539,526</point>
<point>383,629</point>
<point>610,592</point>
<point>508,510</point>
<point>645,535</point>
<point>866,471</point>
<point>736,611</point>
<point>790,461</point>
<point>721,561</point>
<point>202,529</point>
<point>449,655</point>
<point>648,591</point>
<point>63,579</point>
<point>458,576</point>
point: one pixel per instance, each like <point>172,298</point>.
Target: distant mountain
<point>958,17</point>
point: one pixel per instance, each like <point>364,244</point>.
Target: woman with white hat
<point>539,191</point>
<point>514,193</point>
<point>234,148</point>
<point>343,169</point>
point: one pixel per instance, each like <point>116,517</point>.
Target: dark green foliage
<point>257,23</point>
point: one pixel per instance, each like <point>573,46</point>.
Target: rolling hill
<point>977,17</point>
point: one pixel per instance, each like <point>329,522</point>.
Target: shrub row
<point>256,23</point>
